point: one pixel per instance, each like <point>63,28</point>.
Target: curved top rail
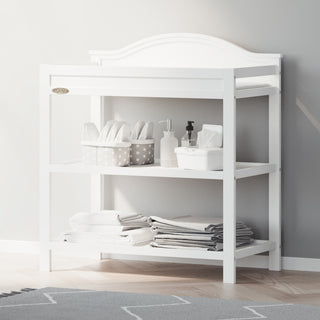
<point>188,50</point>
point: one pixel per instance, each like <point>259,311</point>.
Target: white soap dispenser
<point>168,143</point>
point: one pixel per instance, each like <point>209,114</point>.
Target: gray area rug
<point>67,304</point>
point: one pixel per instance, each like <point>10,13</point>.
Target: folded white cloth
<point>109,226</point>
<point>137,130</point>
<point>218,246</point>
<point>185,246</point>
<point>100,228</point>
<point>210,136</point>
<point>123,134</point>
<point>186,222</point>
<point>92,237</point>
<point>130,237</point>
<point>137,236</point>
<point>108,217</point>
<point>195,232</point>
<point>147,131</point>
<point>105,131</point>
<point>112,134</point>
<point>89,132</point>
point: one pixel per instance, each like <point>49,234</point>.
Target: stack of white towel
<point>109,227</point>
<point>196,233</point>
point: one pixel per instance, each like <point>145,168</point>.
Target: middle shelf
<point>258,246</point>
<point>243,170</point>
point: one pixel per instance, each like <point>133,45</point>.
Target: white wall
<point>62,32</point>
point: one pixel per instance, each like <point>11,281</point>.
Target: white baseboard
<point>258,261</point>
<point>16,246</point>
<point>33,247</point>
<point>301,264</point>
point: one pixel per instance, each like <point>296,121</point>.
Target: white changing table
<point>172,66</point>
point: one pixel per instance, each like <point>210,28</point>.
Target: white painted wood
<point>44,174</point>
<point>250,169</point>
<point>142,250</point>
<point>229,180</point>
<point>156,82</point>
<point>244,170</point>
<point>300,264</point>
<point>157,87</point>
<point>108,181</point>
<point>183,50</point>
<point>138,171</point>
<point>177,66</point>
<point>256,71</point>
<point>258,246</point>
<point>256,261</point>
<point>97,180</point>
<point>255,92</point>
<point>187,50</point>
<point>138,81</point>
<point>275,178</point>
<point>138,72</point>
<point>155,92</point>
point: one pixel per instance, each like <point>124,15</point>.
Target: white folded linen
<point>165,246</point>
<point>109,226</point>
<point>137,236</point>
<point>131,237</point>
<point>137,130</point>
<point>210,136</point>
<point>92,237</point>
<point>218,246</point>
<point>195,232</point>
<point>185,236</point>
<point>112,134</point>
<point>105,131</point>
<point>123,134</point>
<point>100,228</point>
<point>188,222</point>
<point>108,217</point>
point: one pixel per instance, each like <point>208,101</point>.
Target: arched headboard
<point>187,50</point>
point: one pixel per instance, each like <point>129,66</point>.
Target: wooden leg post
<point>98,183</point>
<point>275,181</point>
<point>229,182</point>
<point>44,177</point>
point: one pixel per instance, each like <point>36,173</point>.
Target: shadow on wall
<point>301,145</point>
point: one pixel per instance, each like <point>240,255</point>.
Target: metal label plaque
<point>60,90</point>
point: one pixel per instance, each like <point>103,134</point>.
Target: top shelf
<point>243,170</point>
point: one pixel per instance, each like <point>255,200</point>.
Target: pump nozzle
<point>189,127</point>
<point>169,124</point>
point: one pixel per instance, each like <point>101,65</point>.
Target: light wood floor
<point>20,271</point>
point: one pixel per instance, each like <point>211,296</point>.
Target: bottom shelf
<point>258,246</point>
